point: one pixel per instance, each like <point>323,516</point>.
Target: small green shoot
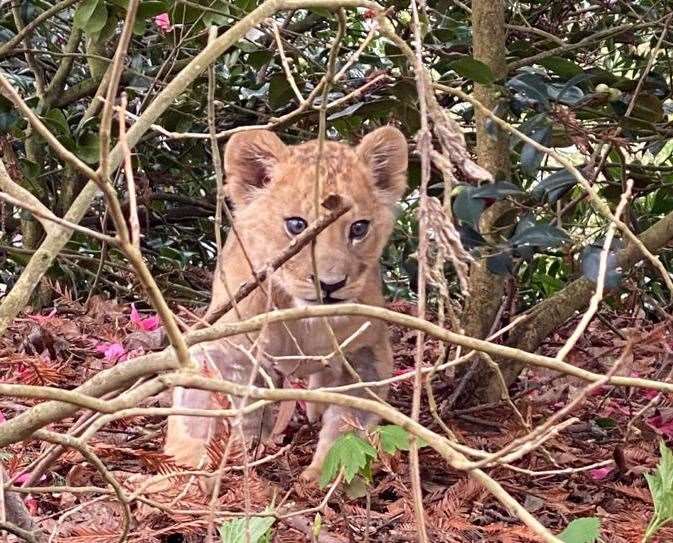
<point>582,530</point>
<point>394,438</point>
<point>259,528</point>
<point>351,453</point>
<point>355,455</point>
<point>661,488</point>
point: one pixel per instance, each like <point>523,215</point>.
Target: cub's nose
<point>328,287</point>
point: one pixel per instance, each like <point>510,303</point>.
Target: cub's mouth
<point>326,300</point>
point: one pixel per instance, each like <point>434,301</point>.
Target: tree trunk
<point>486,289</point>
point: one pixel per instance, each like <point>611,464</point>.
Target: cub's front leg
<point>372,363</point>
<point>187,437</point>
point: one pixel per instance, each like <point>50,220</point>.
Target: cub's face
<point>273,185</point>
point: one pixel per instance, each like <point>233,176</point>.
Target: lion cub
<point>272,188</point>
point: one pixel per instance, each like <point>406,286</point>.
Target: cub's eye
<point>359,229</point>
<point>295,225</point>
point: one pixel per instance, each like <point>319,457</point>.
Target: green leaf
<point>58,124</point>
<point>323,12</point>
<point>84,12</point>
<point>393,438</point>
<point>219,17</point>
<point>257,59</point>
<point>88,148</point>
<point>8,115</point>
<point>259,528</point>
<point>139,27</point>
<point>473,69</point>
<point>349,452</point>
<point>664,154</point>
<point>660,484</point>
<point>150,8</point>
<point>357,488</point>
<point>91,16</point>
<point>582,530</point>
<point>648,108</point>
<point>108,30</point>
<point>561,66</point>
<point>280,92</point>
<point>97,21</point>
<point>57,121</point>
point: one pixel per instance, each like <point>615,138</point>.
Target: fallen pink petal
<point>150,323</point>
<point>661,424</point>
<point>147,324</point>
<point>24,477</point>
<point>599,474</point>
<point>41,319</point>
<point>111,351</point>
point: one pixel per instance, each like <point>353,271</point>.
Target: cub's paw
<point>314,412</point>
<point>310,475</point>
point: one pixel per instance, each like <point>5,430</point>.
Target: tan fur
<point>269,182</point>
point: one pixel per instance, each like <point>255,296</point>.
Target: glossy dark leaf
<point>497,191</point>
<point>531,86</point>
<point>500,264</point>
<point>469,237</point>
<point>531,158</point>
<point>564,93</point>
<point>591,257</point>
<point>467,208</point>
<point>525,222</point>
<point>539,235</point>
<point>347,112</point>
<point>554,186</point>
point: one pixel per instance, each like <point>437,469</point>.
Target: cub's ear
<point>385,151</point>
<point>249,160</point>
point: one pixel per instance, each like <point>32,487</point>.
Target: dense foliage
<point>591,79</point>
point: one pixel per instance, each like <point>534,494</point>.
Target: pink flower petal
<point>2,417</point>
<point>163,21</point>
<point>147,324</point>
<point>650,394</point>
<point>31,504</point>
<point>661,425</point>
<point>41,319</point>
<point>25,476</point>
<point>135,315</point>
<point>150,323</point>
<point>111,351</point>
<point>599,474</point>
